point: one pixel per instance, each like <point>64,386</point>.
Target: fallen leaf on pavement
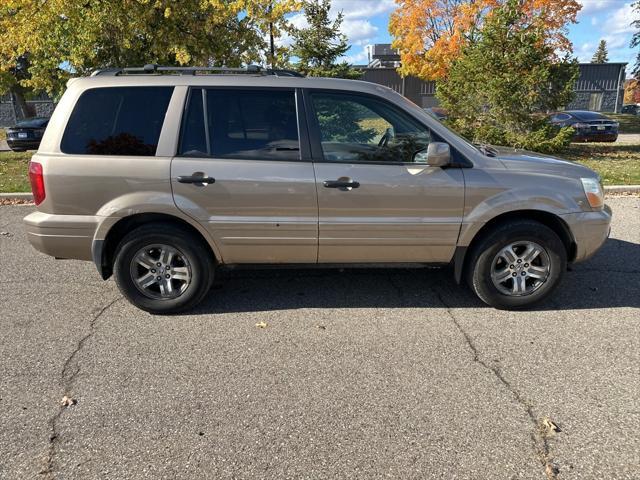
<point>68,401</point>
<point>551,471</point>
<point>549,427</point>
<point>261,325</point>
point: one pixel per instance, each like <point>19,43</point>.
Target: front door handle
<point>342,183</point>
<point>198,178</point>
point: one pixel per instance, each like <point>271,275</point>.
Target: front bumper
<point>61,236</point>
<point>590,230</point>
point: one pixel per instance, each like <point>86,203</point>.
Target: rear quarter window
<point>117,121</point>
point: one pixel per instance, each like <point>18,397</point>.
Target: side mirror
<point>437,154</point>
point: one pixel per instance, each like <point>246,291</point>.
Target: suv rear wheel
<point>517,265</point>
<point>163,269</point>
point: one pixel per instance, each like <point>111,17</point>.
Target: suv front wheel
<point>163,269</point>
<point>517,265</point>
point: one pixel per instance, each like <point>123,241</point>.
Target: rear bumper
<point>590,230</point>
<point>596,137</point>
<point>62,236</point>
<point>25,144</point>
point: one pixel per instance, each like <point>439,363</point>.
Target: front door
<point>375,203</point>
<point>240,172</point>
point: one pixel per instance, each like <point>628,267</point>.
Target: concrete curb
<point>26,197</point>
<point>614,189</point>
<point>622,189</point>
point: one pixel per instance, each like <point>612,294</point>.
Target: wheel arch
<point>553,221</point>
<point>104,251</point>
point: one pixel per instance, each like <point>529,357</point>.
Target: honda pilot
<point>161,176</point>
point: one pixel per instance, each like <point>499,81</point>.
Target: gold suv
<point>159,175</point>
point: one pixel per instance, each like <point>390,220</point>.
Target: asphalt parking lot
<point>358,374</point>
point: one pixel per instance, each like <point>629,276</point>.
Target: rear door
<point>376,204</point>
<point>243,170</point>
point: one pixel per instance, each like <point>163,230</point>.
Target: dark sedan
<point>589,126</point>
<point>26,134</point>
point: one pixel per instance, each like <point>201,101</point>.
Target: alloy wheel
<point>160,271</point>
<point>520,268</point>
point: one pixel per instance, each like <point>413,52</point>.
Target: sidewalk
<point>629,138</point>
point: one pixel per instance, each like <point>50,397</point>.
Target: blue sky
<point>366,23</point>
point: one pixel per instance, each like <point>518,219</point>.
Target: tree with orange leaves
<point>632,91</point>
<point>430,34</point>
<point>500,87</point>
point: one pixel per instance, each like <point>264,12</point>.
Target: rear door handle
<point>196,178</point>
<point>342,184</point>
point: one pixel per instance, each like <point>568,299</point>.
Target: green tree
<point>319,45</point>
<point>271,19</point>
<point>65,37</point>
<point>602,54</point>
<point>499,88</point>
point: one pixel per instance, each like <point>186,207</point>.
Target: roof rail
<point>152,69</point>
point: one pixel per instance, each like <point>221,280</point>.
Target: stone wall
<point>44,109</point>
<point>582,100</point>
<point>37,108</point>
<point>7,115</point>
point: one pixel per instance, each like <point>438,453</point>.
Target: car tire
<point>500,257</point>
<point>177,266</point>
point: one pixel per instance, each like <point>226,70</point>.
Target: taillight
<point>37,182</point>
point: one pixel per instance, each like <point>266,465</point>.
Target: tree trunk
<point>19,103</point>
<point>272,46</point>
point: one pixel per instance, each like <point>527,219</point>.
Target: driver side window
<point>360,128</point>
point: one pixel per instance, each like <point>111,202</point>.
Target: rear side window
<point>242,124</point>
<point>117,121</point>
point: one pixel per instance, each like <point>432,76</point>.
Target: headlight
<point>593,191</point>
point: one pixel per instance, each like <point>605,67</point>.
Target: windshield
<point>32,123</point>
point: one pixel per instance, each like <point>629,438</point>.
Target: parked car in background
<point>589,126</point>
<point>632,109</point>
<point>26,134</point>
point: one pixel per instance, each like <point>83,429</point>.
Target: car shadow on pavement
<point>610,279</point>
